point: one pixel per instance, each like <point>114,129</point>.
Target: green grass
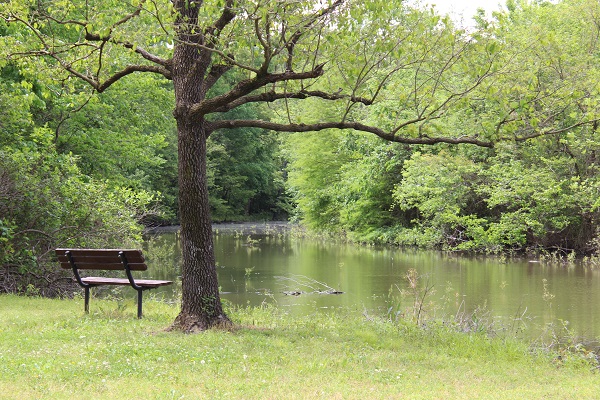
<point>50,349</point>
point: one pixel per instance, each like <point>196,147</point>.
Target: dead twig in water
<point>302,284</point>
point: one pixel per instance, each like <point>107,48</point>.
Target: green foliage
<point>245,167</point>
<point>541,61</point>
<point>515,199</point>
<point>121,134</point>
<point>125,136</point>
<point>528,72</point>
<point>245,177</point>
<point>45,199</point>
<point>314,170</point>
<point>343,182</point>
<point>441,189</point>
<point>48,203</point>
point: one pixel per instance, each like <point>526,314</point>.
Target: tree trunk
<point>200,304</point>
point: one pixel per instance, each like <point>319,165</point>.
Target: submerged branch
<point>301,283</point>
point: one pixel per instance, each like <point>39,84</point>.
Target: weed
<point>547,295</point>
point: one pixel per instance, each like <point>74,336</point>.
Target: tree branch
<point>93,37</point>
<point>388,136</point>
<point>248,86</point>
<point>130,69</point>
<point>290,44</point>
<point>213,32</point>
<point>225,57</point>
<point>226,17</point>
<point>391,137</point>
<point>553,131</point>
<point>272,96</point>
<point>215,73</point>
<point>94,82</point>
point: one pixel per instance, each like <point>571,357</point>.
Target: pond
<point>260,264</point>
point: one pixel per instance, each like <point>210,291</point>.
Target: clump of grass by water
<point>50,349</point>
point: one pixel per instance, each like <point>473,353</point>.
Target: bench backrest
<point>103,259</point>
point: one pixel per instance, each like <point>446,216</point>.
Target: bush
<point>45,202</point>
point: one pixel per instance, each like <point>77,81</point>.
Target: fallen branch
<point>301,282</point>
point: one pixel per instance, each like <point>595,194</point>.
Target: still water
<point>257,267</point>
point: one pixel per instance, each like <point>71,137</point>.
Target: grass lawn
<point>50,349</point>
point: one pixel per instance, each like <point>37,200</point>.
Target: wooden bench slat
<point>97,252</point>
<point>94,280</point>
<point>105,266</point>
<point>134,256</point>
<point>104,259</point>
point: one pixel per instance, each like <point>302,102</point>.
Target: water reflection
<point>255,268</point>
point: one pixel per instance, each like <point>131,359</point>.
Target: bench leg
<point>139,301</point>
<point>87,300</point>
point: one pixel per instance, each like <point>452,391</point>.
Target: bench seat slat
<point>151,283</point>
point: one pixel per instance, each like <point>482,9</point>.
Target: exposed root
<point>188,323</point>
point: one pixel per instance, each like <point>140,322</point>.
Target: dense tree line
<point>540,194</point>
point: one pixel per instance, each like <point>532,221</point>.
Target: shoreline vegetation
<point>49,349</point>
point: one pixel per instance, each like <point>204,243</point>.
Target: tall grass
<point>50,349</point>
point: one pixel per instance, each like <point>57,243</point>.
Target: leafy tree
<point>120,134</point>
<point>372,54</point>
<point>519,195</point>
<point>245,170</point>
<point>343,183</point>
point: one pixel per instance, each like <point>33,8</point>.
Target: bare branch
<point>290,44</point>
<point>550,132</point>
<point>130,69</point>
<point>92,37</point>
<point>94,82</point>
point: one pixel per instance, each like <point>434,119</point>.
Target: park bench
<point>108,260</point>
